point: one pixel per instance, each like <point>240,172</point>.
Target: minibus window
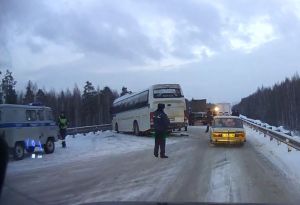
<point>49,115</point>
<point>40,115</point>
<point>30,115</point>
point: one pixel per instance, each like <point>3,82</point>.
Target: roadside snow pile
<point>82,147</point>
<point>287,162</point>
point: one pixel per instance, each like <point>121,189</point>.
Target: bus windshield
<point>167,93</point>
<point>227,123</point>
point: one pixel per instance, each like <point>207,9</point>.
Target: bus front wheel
<point>136,129</point>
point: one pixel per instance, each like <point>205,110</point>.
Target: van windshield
<point>167,93</point>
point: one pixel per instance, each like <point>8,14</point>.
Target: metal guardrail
<point>280,137</point>
<point>87,129</point>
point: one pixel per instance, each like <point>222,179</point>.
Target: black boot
<point>63,144</point>
<point>164,156</point>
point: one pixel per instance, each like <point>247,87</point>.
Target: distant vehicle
<point>228,130</point>
<point>134,112</point>
<point>197,111</point>
<point>197,118</point>
<point>223,109</point>
<point>26,127</point>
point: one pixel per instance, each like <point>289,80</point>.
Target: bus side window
<point>143,99</point>
<point>40,114</point>
<point>0,115</point>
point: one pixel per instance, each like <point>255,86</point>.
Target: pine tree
<point>124,91</point>
<point>8,88</point>
<point>40,96</point>
<point>29,96</point>
<point>76,98</point>
<point>89,103</point>
<point>279,105</point>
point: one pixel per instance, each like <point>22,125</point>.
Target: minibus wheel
<point>19,151</point>
<point>49,146</point>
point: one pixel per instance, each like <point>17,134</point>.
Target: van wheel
<point>116,128</point>
<point>136,129</point>
<point>19,151</point>
<point>185,128</point>
<point>49,147</point>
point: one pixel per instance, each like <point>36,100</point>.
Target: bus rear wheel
<point>136,129</point>
<point>116,128</point>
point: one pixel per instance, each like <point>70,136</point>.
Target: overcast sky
<point>218,50</point>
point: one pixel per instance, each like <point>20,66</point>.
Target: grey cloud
<point>83,31</point>
<point>110,37</point>
<point>200,15</point>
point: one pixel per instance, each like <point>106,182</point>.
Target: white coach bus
<point>134,112</point>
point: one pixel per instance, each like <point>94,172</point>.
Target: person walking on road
<point>161,125</point>
<point>63,125</point>
<point>209,119</point>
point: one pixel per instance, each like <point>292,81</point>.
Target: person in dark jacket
<point>63,125</point>
<point>161,125</point>
<point>209,119</point>
<point>4,154</point>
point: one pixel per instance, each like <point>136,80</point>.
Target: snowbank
<point>287,162</point>
<point>280,130</point>
<point>82,147</point>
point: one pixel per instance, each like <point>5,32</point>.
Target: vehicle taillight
<point>239,134</point>
<point>217,134</point>
<point>151,118</point>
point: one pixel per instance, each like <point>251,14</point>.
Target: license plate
<point>179,119</point>
<point>231,135</point>
<point>171,119</point>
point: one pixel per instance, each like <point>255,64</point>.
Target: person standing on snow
<point>63,125</point>
<point>209,119</point>
<point>161,125</point>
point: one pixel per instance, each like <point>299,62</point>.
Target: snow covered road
<point>116,167</point>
